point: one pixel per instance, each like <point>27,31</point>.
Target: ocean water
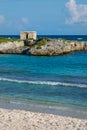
<point>44,81</point>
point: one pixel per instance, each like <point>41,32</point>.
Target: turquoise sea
<point>52,81</point>
<point>56,82</point>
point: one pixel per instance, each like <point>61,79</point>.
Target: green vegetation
<point>5,40</point>
<point>64,40</point>
<point>38,47</point>
<point>30,39</point>
<point>39,43</point>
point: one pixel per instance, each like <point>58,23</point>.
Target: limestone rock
<point>45,47</point>
<point>12,47</point>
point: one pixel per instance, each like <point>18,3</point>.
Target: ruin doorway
<point>26,35</point>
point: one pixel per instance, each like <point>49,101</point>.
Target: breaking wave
<point>51,83</point>
<point>79,38</point>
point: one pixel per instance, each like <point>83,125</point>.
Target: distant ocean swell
<point>50,83</point>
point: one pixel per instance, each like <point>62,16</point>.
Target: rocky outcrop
<point>42,47</point>
<point>78,45</point>
<point>57,47</point>
<point>12,47</point>
<point>51,48</point>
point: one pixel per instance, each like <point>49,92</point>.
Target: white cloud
<point>2,19</point>
<point>24,20</point>
<point>78,12</point>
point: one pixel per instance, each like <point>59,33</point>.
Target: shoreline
<point>61,110</point>
<point>26,120</point>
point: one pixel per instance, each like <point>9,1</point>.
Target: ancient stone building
<point>23,35</point>
<point>28,35</point>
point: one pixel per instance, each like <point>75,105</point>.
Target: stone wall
<point>28,35</point>
<point>23,35</point>
<point>32,35</point>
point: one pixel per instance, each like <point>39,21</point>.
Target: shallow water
<point>52,81</point>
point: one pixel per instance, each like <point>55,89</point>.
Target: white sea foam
<point>79,38</point>
<point>50,83</point>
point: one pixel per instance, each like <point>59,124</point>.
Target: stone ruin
<point>28,35</point>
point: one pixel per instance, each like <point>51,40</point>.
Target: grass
<point>5,40</point>
<point>64,40</point>
<point>39,43</point>
<point>30,39</point>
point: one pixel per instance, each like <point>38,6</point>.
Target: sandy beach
<point>25,120</point>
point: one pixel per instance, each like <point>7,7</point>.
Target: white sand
<point>25,120</point>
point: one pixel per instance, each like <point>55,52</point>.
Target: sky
<point>47,17</point>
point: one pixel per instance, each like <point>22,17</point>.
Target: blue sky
<point>58,17</point>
